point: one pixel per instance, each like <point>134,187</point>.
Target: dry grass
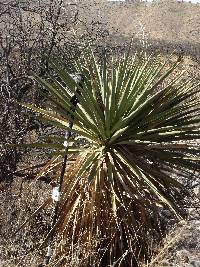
<point>18,201</point>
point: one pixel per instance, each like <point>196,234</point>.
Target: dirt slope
<point>169,25</point>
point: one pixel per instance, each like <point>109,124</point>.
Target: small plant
<point>134,128</point>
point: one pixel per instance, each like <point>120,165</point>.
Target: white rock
<point>197,191</point>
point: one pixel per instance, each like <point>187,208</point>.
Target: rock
<point>193,264</point>
<point>183,255</point>
<point>165,263</point>
<point>197,191</point>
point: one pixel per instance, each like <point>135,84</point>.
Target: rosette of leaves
<point>135,147</point>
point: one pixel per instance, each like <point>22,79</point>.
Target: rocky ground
<point>182,245</point>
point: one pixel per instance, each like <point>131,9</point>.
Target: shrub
<point>134,148</point>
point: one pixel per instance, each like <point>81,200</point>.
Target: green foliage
<point>139,128</point>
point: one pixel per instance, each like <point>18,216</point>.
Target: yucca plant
<point>135,145</point>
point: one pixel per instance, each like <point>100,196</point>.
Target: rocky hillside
<point>169,25</point>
